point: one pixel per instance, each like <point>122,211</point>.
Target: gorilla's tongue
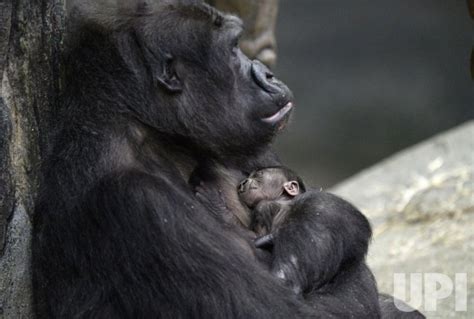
<point>278,116</point>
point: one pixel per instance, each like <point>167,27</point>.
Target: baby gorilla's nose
<point>243,185</point>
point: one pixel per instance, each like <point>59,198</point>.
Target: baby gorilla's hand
<point>262,220</point>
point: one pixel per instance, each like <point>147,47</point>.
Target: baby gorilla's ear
<point>292,188</point>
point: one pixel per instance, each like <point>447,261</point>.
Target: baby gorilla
<point>338,232</point>
<point>269,193</point>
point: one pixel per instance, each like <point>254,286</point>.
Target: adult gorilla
<point>118,231</point>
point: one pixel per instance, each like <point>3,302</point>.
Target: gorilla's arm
<point>322,235</point>
<point>145,247</point>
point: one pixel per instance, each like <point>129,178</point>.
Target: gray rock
<point>421,205</point>
<point>15,281</point>
<point>259,17</point>
<point>30,50</point>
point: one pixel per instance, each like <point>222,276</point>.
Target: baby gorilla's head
<point>272,183</point>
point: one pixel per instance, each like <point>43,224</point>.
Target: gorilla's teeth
<point>275,118</point>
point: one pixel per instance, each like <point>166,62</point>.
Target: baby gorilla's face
<point>266,184</point>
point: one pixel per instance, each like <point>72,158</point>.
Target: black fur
<point>328,239</point>
<point>118,233</point>
<point>317,241</point>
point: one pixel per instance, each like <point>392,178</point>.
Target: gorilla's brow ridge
<point>216,16</point>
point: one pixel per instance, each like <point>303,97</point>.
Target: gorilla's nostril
<point>265,78</point>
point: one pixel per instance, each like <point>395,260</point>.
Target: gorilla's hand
<point>288,242</point>
<point>211,198</point>
<point>290,249</point>
<point>320,235</point>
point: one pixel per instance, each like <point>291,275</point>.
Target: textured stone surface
<point>15,282</point>
<point>30,50</point>
<point>6,192</point>
<point>6,188</point>
<point>259,16</point>
<point>421,205</point>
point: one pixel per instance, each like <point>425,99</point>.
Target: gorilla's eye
<point>235,46</point>
<point>235,41</point>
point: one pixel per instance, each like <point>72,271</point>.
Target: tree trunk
<point>30,49</point>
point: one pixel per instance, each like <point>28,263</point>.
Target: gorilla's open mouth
<point>278,116</point>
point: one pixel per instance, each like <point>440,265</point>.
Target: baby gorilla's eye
<point>258,174</point>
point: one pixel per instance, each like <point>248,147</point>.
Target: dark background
<point>370,78</point>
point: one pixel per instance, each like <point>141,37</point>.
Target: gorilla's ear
<point>161,64</point>
<point>292,188</point>
<point>167,76</point>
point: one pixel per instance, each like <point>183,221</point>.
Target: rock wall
<point>30,50</point>
<point>421,205</point>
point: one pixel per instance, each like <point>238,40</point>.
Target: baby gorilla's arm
<point>263,215</point>
<point>267,218</point>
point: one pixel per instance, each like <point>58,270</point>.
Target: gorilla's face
<point>208,91</point>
